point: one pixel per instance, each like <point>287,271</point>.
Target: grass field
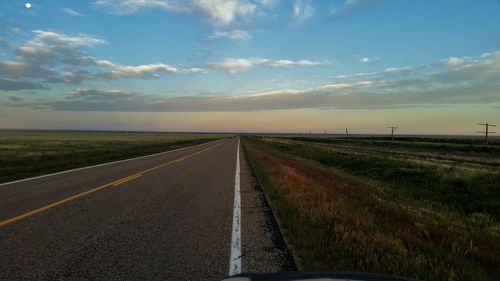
<point>427,209</point>
<point>30,153</point>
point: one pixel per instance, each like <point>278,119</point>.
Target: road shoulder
<point>263,247</point>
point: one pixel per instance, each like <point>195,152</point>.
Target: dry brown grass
<point>340,224</point>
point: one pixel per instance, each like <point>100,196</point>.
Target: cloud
<point>49,47</point>
<point>108,99</point>
<point>277,63</point>
<point>140,71</point>
<point>52,57</point>
<point>302,10</point>
<point>235,35</point>
<point>195,70</point>
<point>15,99</point>
<point>122,72</point>
<point>101,95</point>
<point>267,3</point>
<point>15,69</point>
<point>124,7</point>
<point>366,60</point>
<point>74,77</point>
<point>219,12</point>
<point>16,85</point>
<point>351,6</point>
<point>224,12</point>
<point>353,75</point>
<point>71,12</point>
<point>37,60</point>
<point>452,61</point>
<point>232,65</point>
<point>474,82</point>
<point>290,63</point>
<point>398,69</point>
<point>355,85</point>
<point>43,37</point>
<point>52,48</point>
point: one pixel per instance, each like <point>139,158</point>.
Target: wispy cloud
<point>351,6</point>
<point>72,12</point>
<point>367,60</point>
<point>353,75</point>
<point>290,63</point>
<point>231,19</point>
<point>235,35</point>
<point>303,10</point>
<point>219,12</point>
<point>195,70</point>
<point>234,65</point>
<point>101,95</point>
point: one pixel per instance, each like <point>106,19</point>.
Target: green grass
<point>31,153</point>
<point>363,211</point>
<point>469,146</point>
<point>468,187</point>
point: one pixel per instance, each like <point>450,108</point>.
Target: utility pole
<point>393,129</point>
<point>486,132</point>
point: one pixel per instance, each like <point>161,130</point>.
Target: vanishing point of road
<point>190,214</point>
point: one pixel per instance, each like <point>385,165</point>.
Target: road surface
<point>164,217</point>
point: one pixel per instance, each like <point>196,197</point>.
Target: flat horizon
<point>257,133</point>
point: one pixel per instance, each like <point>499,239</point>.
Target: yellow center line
<point>113,183</point>
<point>127,179</point>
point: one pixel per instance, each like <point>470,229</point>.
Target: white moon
<point>28,5</point>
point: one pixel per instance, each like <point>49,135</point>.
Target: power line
<point>393,129</point>
<point>486,132</point>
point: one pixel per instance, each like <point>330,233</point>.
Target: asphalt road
<point>164,217</point>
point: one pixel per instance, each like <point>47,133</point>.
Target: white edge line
<point>104,164</point>
<point>235,256</point>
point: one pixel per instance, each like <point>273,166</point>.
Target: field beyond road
<point>31,153</point>
<point>424,209</point>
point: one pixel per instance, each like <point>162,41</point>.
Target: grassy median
<point>31,153</point>
<point>415,212</point>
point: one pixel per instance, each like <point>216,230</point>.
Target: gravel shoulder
<point>263,247</point>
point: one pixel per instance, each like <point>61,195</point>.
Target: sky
<point>426,66</point>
